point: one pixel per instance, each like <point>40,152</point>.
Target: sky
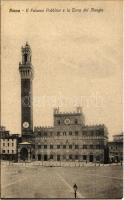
<point>76,58</point>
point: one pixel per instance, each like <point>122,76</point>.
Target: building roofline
<point>67,113</point>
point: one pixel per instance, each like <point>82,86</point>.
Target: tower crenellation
<point>26,54</point>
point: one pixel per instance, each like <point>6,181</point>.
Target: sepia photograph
<point>61,131</point>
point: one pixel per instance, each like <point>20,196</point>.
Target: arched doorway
<point>39,156</point>
<point>58,157</point>
<point>91,158</point>
<point>24,154</point>
<point>45,157</point>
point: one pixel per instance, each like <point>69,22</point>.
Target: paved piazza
<point>31,181</point>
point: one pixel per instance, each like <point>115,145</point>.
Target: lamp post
<point>75,190</point>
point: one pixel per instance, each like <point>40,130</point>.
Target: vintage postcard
<point>61,99</point>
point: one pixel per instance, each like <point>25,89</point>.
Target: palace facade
<point>68,139</point>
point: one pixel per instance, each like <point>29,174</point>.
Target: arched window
<point>51,156</point>
<point>25,58</point>
<point>76,121</point>
<point>76,133</point>
<point>70,132</point>
<point>76,157</point>
<point>58,133</point>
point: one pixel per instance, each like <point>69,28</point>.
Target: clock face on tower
<point>67,121</point>
<point>25,125</point>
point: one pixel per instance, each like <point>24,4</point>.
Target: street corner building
<point>8,145</point>
<point>68,140</point>
<point>116,148</point>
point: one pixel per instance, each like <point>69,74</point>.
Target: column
<point>18,155</point>
<point>29,155</point>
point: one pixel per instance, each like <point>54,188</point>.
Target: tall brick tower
<point>26,73</point>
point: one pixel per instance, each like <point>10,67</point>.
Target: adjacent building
<point>116,148</point>
<point>9,145</point>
